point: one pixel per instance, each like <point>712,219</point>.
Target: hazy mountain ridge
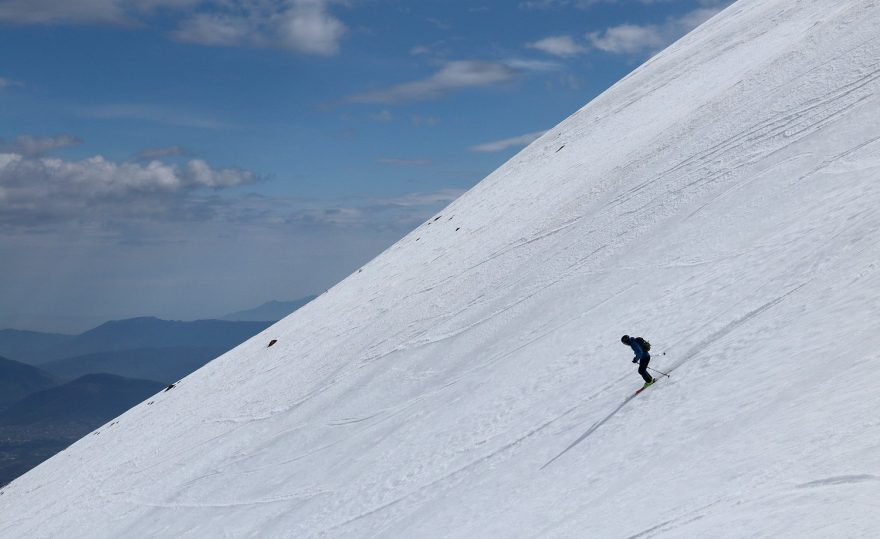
<point>150,332</point>
<point>18,380</point>
<point>271,311</point>
<point>30,346</point>
<point>46,421</point>
<point>93,398</point>
<point>134,333</point>
<point>47,407</point>
<point>159,364</point>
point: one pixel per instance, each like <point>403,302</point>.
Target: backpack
<point>646,346</point>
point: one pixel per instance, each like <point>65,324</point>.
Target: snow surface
<point>722,201</point>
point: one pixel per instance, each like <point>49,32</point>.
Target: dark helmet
<point>625,339</point>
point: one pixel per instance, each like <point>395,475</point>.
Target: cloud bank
<point>513,142</point>
<point>455,75</point>
<point>40,191</point>
<point>301,26</point>
<point>30,145</point>
<point>632,38</point>
<point>558,46</point>
<point>628,39</point>
<point>8,83</point>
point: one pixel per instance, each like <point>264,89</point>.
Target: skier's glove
<point>635,360</point>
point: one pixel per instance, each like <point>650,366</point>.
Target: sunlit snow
<point>722,201</point>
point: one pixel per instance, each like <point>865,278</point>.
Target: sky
<point>189,158</point>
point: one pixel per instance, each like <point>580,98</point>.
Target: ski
<point>645,387</point>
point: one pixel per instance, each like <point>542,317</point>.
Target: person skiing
<point>640,347</point>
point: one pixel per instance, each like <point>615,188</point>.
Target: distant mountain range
<point>160,364</point>
<point>46,421</point>
<point>30,346</point>
<point>88,401</point>
<point>35,348</point>
<point>55,388</point>
<point>272,310</point>
<point>18,380</point>
<point>135,333</point>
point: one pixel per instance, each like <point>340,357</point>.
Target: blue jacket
<point>640,352</point>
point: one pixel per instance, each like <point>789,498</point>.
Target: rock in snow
<point>723,200</point>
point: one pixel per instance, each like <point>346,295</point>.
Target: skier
<point>642,356</point>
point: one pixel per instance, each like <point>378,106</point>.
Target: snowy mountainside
<point>721,201</point>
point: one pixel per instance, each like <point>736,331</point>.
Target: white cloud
<point>453,76</point>
<point>198,173</point>
<point>150,154</point>
<point>153,5</point>
<point>62,11</point>
<point>101,197</point>
<point>695,18</point>
<point>8,83</point>
<point>382,117</point>
<point>427,121</point>
<point>217,29</point>
<point>303,26</point>
<point>400,213</point>
<point>586,4</point>
<point>580,4</point>
<point>558,46</point>
<point>437,198</point>
<point>440,24</point>
<point>633,39</point>
<point>151,113</point>
<point>84,11</point>
<point>30,145</point>
<point>533,65</point>
<point>629,38</point>
<point>499,145</point>
<point>37,190</point>
<point>309,28</point>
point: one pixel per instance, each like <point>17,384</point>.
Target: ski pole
<point>659,372</point>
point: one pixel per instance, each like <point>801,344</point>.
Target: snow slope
<point>722,201</point>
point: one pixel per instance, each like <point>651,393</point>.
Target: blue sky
<point>187,158</point>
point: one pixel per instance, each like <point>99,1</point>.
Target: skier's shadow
<point>590,431</point>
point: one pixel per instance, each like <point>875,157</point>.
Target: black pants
<point>643,369</point>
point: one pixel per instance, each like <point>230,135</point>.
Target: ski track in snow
<point>840,480</point>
